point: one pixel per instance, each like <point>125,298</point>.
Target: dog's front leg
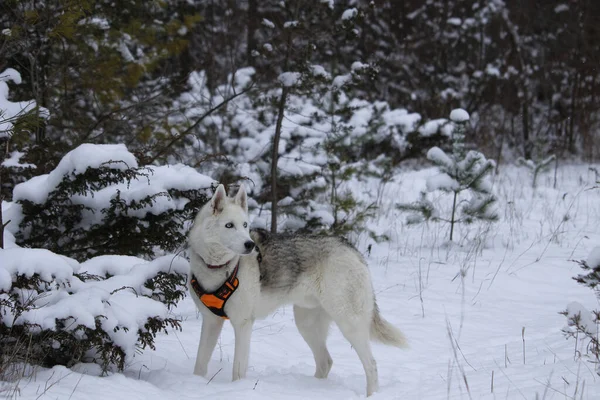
<point>211,328</point>
<point>242,331</point>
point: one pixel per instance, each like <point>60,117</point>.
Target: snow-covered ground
<point>482,316</point>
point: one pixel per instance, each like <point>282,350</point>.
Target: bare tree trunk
<point>2,223</point>
<point>275,157</point>
<point>452,220</point>
<point>525,123</point>
<point>277,137</point>
<point>571,134</point>
<point>252,25</point>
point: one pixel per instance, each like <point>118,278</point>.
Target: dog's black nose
<point>249,245</point>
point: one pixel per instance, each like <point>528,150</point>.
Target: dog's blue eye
<point>245,224</point>
<point>229,225</point>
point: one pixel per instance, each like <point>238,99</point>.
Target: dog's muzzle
<point>249,245</point>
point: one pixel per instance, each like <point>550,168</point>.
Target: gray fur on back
<point>286,256</point>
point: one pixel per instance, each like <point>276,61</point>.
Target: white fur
<point>339,289</point>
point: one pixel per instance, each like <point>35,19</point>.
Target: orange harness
<point>216,300</point>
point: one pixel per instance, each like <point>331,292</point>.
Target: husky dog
<point>324,277</point>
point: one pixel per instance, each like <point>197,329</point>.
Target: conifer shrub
<point>77,286</point>
<point>583,325</point>
<point>459,172</point>
<point>110,207</point>
<point>55,311</point>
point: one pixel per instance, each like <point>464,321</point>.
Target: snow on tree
<point>15,117</point>
<point>459,172</point>
<point>95,305</point>
<point>11,112</point>
<point>98,201</point>
<point>535,167</point>
<point>584,324</point>
<point>56,311</point>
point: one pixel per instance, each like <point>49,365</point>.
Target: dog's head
<point>221,228</point>
<point>260,237</point>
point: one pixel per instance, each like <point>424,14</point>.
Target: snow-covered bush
<point>459,172</point>
<point>56,311</point>
<point>17,119</point>
<point>16,116</point>
<point>98,201</point>
<point>582,324</point>
<point>327,137</point>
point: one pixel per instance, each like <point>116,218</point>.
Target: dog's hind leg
<point>358,336</point>
<point>243,332</point>
<point>313,324</point>
<point>211,328</point>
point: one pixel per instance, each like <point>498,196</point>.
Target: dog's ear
<point>259,236</point>
<point>241,198</point>
<point>218,200</point>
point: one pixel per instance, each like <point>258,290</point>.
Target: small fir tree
<point>111,208</point>
<point>461,171</point>
<point>583,324</point>
<point>55,310</point>
<point>536,166</point>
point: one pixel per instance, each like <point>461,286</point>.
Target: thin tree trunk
<point>452,221</point>
<point>252,25</point>
<point>525,122</point>
<point>276,138</point>
<point>275,157</point>
<point>2,223</point>
<point>571,134</point>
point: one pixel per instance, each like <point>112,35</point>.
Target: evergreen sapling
<point>583,324</point>
<point>536,167</point>
<point>461,171</point>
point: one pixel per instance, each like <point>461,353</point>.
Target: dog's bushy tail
<point>386,333</point>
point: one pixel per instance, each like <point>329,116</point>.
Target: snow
<point>119,301</point>
<point>155,181</point>
<point>463,307</point>
<point>442,182</point>
<point>11,74</point>
<point>290,24</point>
<point>459,115</point>
<point>330,3</point>
<point>455,21</point>
<point>125,53</point>
<point>492,71</point>
<point>438,155</point>
<point>100,23</point>
<point>357,66</point>
<point>268,23</point>
<point>27,262</point>
<point>561,8</point>
<point>10,111</point>
<point>77,161</point>
<point>435,126</point>
<point>14,161</point>
<point>349,14</point>
<point>586,318</point>
<point>593,260</point>
<point>289,79</point>
<point>341,80</point>
<point>318,70</point>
